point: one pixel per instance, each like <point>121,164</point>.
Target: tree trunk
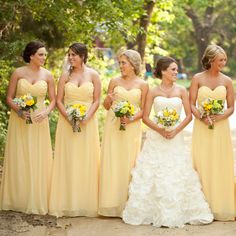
<point>144,22</point>
<point>202,30</point>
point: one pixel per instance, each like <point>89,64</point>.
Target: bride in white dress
<point>165,189</point>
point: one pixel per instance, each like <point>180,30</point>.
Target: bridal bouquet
<point>167,118</point>
<point>76,113</point>
<point>211,107</point>
<point>122,109</point>
<point>26,103</point>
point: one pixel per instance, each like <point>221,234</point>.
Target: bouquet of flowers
<point>76,113</point>
<point>26,103</point>
<point>122,109</point>
<point>211,107</point>
<point>167,117</point>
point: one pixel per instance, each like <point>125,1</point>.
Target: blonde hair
<point>210,54</point>
<point>134,58</point>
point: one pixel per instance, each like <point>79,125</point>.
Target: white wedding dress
<point>165,189</point>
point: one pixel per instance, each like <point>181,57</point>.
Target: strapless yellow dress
<point>119,152</point>
<point>213,159</point>
<point>74,190</point>
<point>28,158</point>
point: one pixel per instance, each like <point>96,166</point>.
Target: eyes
<point>42,54</point>
<point>122,63</point>
<point>223,60</point>
<point>71,54</point>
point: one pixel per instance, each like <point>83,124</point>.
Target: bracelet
<point>20,113</point>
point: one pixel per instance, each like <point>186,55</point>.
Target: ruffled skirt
<point>165,189</point>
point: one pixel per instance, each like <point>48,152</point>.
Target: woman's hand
<point>171,134</point>
<point>168,134</point>
<point>210,120</point>
<point>23,114</point>
<point>207,121</point>
<point>216,118</point>
<point>85,120</point>
<point>124,120</point>
<point>162,132</point>
<point>109,100</point>
<point>41,116</point>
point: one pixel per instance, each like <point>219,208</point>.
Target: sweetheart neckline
<point>168,97</point>
<point>30,83</point>
<point>128,90</point>
<point>88,82</point>
<point>212,89</point>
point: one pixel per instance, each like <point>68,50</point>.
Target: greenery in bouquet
<point>26,102</point>
<point>76,113</point>
<point>124,109</point>
<point>211,107</point>
<point>167,117</point>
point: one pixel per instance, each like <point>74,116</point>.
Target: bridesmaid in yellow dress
<point>120,148</point>
<point>74,190</point>
<point>28,153</point>
<point>212,148</point>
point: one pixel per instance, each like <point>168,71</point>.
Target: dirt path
<point>19,224</point>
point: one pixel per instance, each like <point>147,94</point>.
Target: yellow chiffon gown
<point>74,190</point>
<point>119,152</point>
<point>28,158</point>
<point>213,159</point>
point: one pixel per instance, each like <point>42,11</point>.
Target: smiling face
<point>171,72</point>
<point>126,68</point>
<point>39,57</point>
<point>74,59</point>
<point>219,62</point>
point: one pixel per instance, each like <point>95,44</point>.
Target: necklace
<point>166,90</point>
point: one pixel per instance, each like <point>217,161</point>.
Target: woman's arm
<point>60,96</point>
<point>52,97</point>
<point>144,90</point>
<point>230,103</point>
<point>193,92</point>
<point>146,112</point>
<point>110,94</point>
<point>11,93</point>
<point>188,113</point>
<point>96,97</point>
<point>139,114</point>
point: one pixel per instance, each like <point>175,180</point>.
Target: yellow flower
<point>24,97</point>
<point>82,113</point>
<point>76,106</point>
<point>124,110</point>
<point>209,107</point>
<point>83,108</point>
<point>30,102</point>
<point>165,113</point>
<point>176,116</point>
